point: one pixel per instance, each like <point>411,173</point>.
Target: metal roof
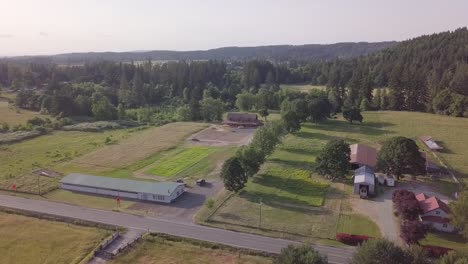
<point>363,154</point>
<point>158,188</point>
<point>364,175</point>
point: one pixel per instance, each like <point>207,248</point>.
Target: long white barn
<point>165,192</point>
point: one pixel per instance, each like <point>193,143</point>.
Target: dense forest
<point>428,73</point>
<point>278,53</point>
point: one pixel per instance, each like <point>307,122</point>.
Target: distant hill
<point>310,52</point>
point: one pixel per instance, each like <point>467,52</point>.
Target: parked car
<point>390,181</point>
<point>201,182</point>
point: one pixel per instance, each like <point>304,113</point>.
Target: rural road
<point>235,239</point>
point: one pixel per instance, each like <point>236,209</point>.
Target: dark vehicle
<point>180,180</point>
<point>201,182</point>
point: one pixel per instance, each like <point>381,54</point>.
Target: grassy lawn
<point>358,225</point>
<point>48,151</point>
<point>12,116</point>
<point>450,132</point>
<point>440,239</point>
<point>302,87</point>
<point>31,240</point>
<point>158,250</point>
<point>180,161</point>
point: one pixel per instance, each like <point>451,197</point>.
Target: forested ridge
<point>427,73</point>
<point>278,53</point>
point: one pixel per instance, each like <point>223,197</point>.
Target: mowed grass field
<point>180,161</point>
<point>31,240</point>
<point>296,201</point>
<point>12,116</point>
<point>160,251</point>
<point>302,87</point>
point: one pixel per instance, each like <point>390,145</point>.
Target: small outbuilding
<point>431,143</point>
<point>164,192</point>
<point>363,155</point>
<point>364,182</point>
<point>242,120</point>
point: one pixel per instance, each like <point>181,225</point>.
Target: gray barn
<point>164,192</point>
<point>364,182</point>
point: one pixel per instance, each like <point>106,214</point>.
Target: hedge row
<point>352,240</point>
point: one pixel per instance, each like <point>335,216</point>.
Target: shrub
<point>352,240</point>
<point>435,251</point>
<point>380,251</point>
<point>413,231</point>
<point>406,204</point>
<point>210,203</point>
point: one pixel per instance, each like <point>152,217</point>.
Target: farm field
<point>136,149</point>
<point>48,151</point>
<point>11,116</point>
<point>302,87</point>
<point>31,240</point>
<point>296,201</point>
<point>180,161</point>
<point>160,251</point>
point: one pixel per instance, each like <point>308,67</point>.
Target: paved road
<point>188,230</point>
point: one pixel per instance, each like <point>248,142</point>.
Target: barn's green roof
<point>158,188</point>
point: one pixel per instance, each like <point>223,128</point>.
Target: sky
<point>43,27</point>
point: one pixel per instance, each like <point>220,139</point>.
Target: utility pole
<point>260,220</point>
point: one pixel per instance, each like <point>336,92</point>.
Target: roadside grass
<point>180,161</point>
<point>159,250</point>
<point>31,240</point>
<point>94,201</point>
<point>448,240</point>
<point>302,87</point>
<point>18,160</point>
<point>141,146</point>
<point>12,116</point>
<point>358,225</point>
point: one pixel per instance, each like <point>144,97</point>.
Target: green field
<point>31,240</point>
<point>161,251</point>
<point>302,87</point>
<point>358,225</point>
<point>180,161</point>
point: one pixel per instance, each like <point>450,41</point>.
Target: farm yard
<point>31,240</point>
<point>158,250</point>
<point>295,202</point>
<point>217,135</point>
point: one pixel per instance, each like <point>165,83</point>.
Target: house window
<point>444,225</point>
<point>437,212</point>
<point>160,197</point>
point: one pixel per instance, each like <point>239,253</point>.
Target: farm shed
<point>242,119</point>
<point>363,155</point>
<point>164,192</point>
<point>364,181</point>
<point>430,143</point>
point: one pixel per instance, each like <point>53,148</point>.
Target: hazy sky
<point>57,26</point>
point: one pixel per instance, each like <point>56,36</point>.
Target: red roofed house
<point>242,120</point>
<point>363,155</point>
<point>435,213</point>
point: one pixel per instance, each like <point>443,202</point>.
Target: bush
<point>352,240</point>
<point>413,231</point>
<point>210,203</point>
<point>406,204</point>
<point>380,251</point>
<point>435,251</point>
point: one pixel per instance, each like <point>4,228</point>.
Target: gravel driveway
<point>380,208</point>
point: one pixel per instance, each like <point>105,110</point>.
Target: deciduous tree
<point>333,160</point>
<point>302,254</point>
<point>233,175</point>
